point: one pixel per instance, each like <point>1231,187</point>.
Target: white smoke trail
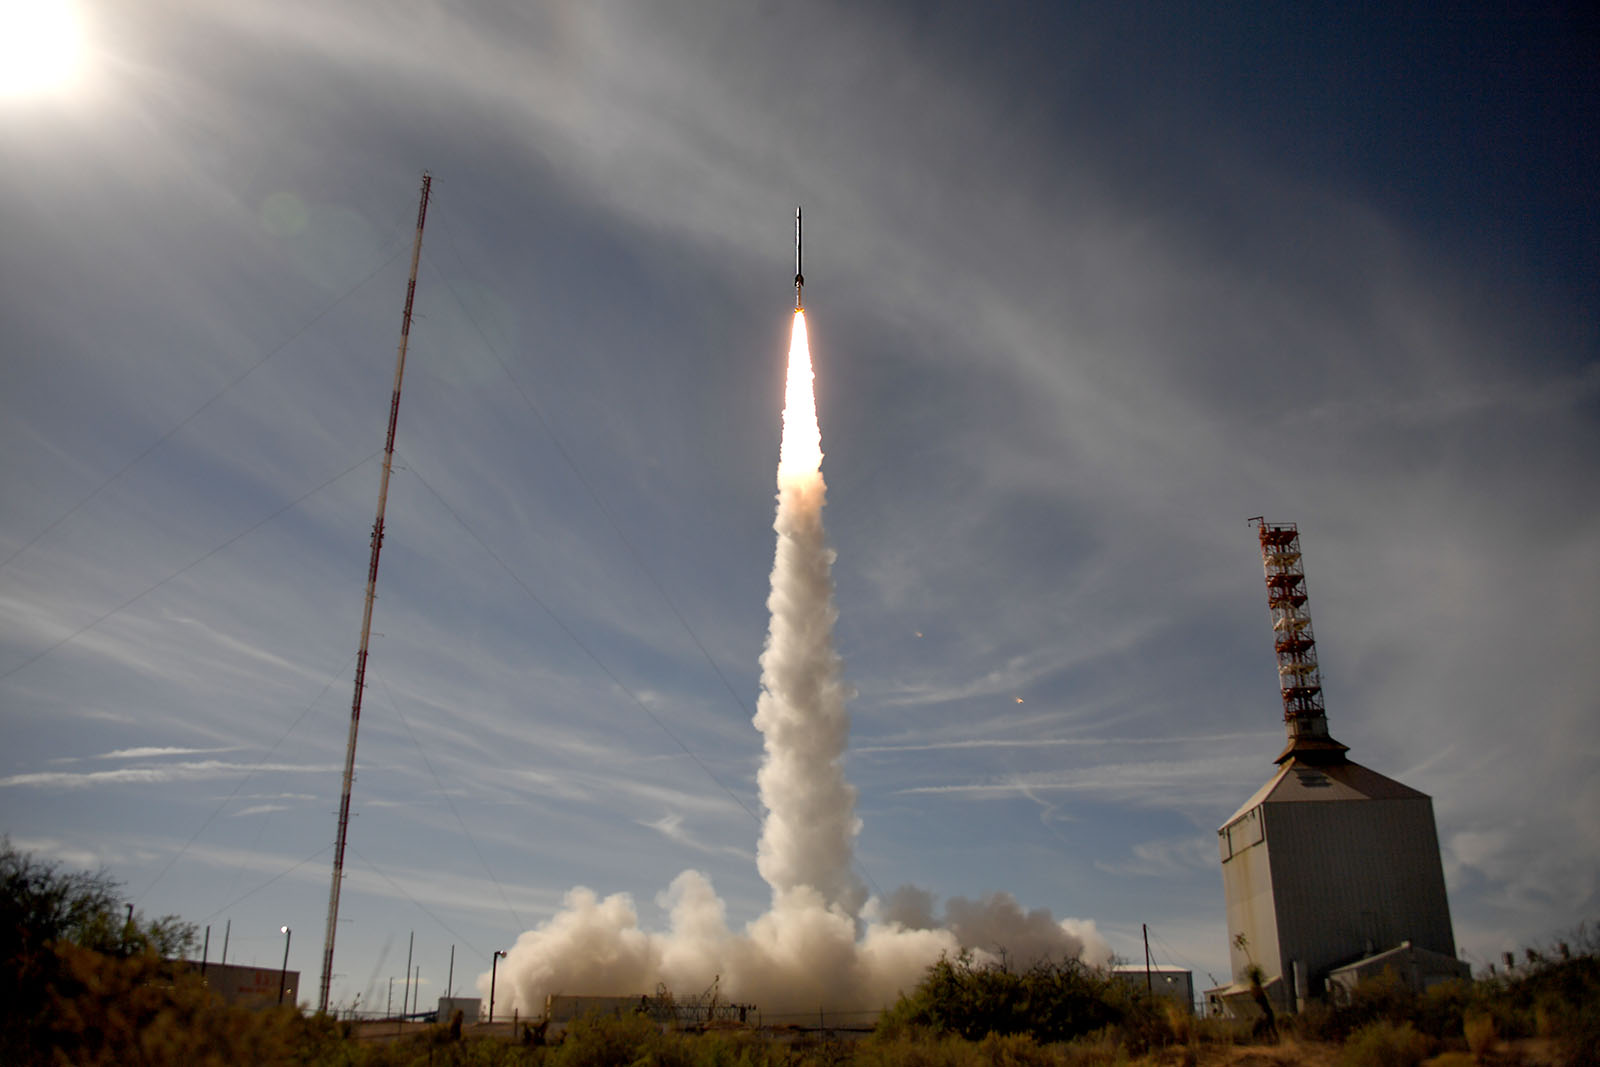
<point>812,950</point>
<point>810,829</point>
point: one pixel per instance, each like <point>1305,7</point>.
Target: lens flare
<point>800,454</point>
<point>40,46</point>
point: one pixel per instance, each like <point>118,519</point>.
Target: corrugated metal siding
<point>1247,887</point>
<point>1352,877</point>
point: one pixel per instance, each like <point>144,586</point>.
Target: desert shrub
<point>1013,1050</point>
<point>916,1050</point>
<point>1573,1028</point>
<point>1317,1020</point>
<point>144,1010</point>
<point>1437,1013</point>
<point>1096,1050</point>
<point>1383,997</point>
<point>1384,1044</point>
<point>739,1049</point>
<point>1556,995</point>
<point>616,1041</point>
<point>1442,1009</point>
<point>1218,1030</point>
<point>1480,1033</point>
<point>1180,1022</point>
<point>1051,1002</point>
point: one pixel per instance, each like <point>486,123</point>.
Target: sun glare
<point>40,46</point>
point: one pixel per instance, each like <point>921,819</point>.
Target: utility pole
<point>283,974</point>
<point>450,982</point>
<point>405,993</point>
<point>494,967</point>
<point>366,614</point>
<point>1149,986</point>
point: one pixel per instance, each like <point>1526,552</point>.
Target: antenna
<point>1299,678</point>
<point>366,614</point>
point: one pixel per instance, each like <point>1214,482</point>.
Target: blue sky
<point>1087,289</point>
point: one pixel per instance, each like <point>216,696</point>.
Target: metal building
<point>1330,868</point>
<point>1170,983</point>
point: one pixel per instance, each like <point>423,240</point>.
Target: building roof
<point>1405,950</point>
<point>1155,968</point>
<point>1298,781</point>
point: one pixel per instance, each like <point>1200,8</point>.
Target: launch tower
<point>1331,870</point>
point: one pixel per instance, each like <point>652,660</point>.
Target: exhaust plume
<point>809,834</point>
<point>822,944</point>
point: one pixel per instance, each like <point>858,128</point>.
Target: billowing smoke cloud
<point>996,926</point>
<point>822,944</point>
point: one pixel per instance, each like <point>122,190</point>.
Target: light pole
<point>493,966</point>
<point>283,975</point>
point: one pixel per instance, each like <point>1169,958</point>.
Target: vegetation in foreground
<point>83,983</point>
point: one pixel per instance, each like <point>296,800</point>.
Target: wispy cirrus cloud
<point>1059,742</point>
<point>1180,783</point>
<point>672,827</point>
<point>152,752</point>
<point>195,771</point>
<point>1165,858</point>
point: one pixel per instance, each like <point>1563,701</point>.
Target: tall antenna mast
<point>1299,678</point>
<point>366,614</point>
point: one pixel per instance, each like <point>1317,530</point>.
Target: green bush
<point>1050,1002</point>
<point>618,1041</point>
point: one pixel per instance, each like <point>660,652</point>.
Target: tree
<point>60,931</point>
<point>1051,1001</point>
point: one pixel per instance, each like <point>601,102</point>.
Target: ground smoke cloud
<point>822,944</point>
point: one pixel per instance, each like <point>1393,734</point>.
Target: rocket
<point>799,279</point>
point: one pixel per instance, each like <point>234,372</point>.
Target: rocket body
<point>799,278</point>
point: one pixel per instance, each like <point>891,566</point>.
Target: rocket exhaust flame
<point>811,825</point>
<point>800,453</point>
<point>821,944</point>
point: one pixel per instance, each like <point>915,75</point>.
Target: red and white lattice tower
<point>1299,680</point>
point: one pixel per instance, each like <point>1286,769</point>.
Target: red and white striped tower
<point>340,836</point>
<point>1299,680</point>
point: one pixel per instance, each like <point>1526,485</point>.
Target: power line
<point>263,885</point>
<point>74,635</point>
<point>578,641</point>
<point>583,480</point>
<point>445,793</point>
<point>186,420</point>
<point>419,905</point>
<point>227,799</point>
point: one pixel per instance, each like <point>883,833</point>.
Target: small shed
<point>469,1007</point>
